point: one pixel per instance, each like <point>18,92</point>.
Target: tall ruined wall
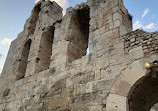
<point>47,68</point>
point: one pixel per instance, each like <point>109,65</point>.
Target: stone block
<point>121,87</point>
<point>2,107</point>
<point>106,34</point>
<point>65,92</point>
<point>28,101</point>
<point>110,26</point>
<point>117,16</point>
<point>93,25</point>
<point>97,75</point>
<point>80,89</point>
<point>59,103</point>
<point>89,87</point>
<point>103,85</point>
<point>134,72</point>
<point>96,108</point>
<point>102,63</point>
<point>116,103</point>
<point>123,30</point>
<point>117,23</point>
<point>118,58</point>
<point>156,37</point>
<point>101,30</point>
<point>136,53</point>
<point>112,72</point>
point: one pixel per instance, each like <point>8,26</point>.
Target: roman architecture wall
<point>48,68</point>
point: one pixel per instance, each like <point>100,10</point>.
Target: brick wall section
<point>148,41</point>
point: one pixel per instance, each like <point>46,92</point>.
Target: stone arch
<point>126,92</point>
<point>24,60</point>
<point>143,95</point>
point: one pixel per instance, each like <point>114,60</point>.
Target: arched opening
<point>144,95</point>
<point>79,33</point>
<point>34,18</point>
<point>23,61</point>
<point>45,51</point>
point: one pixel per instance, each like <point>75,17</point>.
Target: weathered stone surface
<point>116,103</point>
<point>140,38</point>
<point>121,87</point>
<point>133,53</point>
<point>48,67</point>
<point>101,30</point>
<point>58,104</point>
<point>96,108</point>
<point>133,72</point>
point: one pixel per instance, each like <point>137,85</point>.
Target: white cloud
<point>63,3</point>
<point>149,26</point>
<point>6,41</point>
<point>37,1</point>
<point>139,25</point>
<point>145,12</point>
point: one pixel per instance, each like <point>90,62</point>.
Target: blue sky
<point>14,13</point>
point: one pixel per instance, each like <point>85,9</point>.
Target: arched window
<point>24,60</point>
<point>34,18</point>
<point>45,51</point>
<point>79,33</point>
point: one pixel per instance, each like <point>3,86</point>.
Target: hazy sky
<point>13,14</point>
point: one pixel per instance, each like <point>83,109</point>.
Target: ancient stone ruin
<point>48,68</point>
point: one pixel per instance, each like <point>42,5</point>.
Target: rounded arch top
<point>135,89</point>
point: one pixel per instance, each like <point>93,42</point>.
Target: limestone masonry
<point>48,68</point>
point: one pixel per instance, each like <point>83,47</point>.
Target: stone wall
<point>59,75</point>
<point>140,38</point>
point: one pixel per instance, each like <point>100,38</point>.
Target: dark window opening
<point>45,52</point>
<point>34,18</point>
<point>24,60</point>
<point>79,33</point>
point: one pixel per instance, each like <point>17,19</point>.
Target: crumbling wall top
<point>148,41</point>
